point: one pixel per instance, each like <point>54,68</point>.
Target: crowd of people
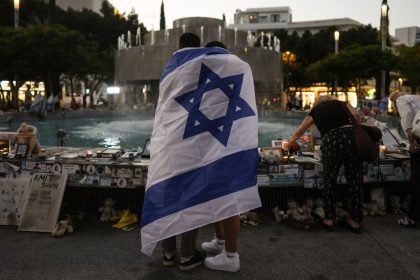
<point>334,119</point>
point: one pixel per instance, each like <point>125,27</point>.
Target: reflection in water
<point>133,132</point>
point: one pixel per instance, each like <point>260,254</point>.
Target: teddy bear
<point>294,211</point>
<point>63,226</point>
<point>250,218</point>
<point>279,215</point>
<point>107,211</point>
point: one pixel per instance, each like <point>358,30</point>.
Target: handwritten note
<point>13,195</point>
<point>44,201</point>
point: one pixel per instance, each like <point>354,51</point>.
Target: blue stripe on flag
<point>181,57</point>
<point>227,175</point>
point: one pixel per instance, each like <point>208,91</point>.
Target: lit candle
<point>382,150</point>
<point>89,154</point>
<point>285,145</point>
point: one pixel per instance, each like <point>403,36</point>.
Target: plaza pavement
<point>267,251</point>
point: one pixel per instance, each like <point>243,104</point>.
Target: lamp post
<point>336,39</point>
<point>16,8</point>
<point>384,14</point>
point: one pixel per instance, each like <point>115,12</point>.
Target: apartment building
<point>408,36</point>
<point>274,18</point>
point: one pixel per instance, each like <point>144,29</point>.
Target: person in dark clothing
<point>338,148</point>
<point>190,257</point>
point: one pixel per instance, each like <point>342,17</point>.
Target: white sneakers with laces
<point>224,261</point>
<point>215,246</point>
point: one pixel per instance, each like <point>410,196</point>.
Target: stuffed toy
<point>250,218</point>
<point>27,134</point>
<point>319,208</point>
<point>107,211</point>
<point>378,202</point>
<point>63,226</point>
<point>294,211</point>
<point>308,207</point>
<point>279,215</point>
<point>126,219</point>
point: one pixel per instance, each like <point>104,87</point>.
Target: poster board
<point>44,202</point>
<point>14,192</point>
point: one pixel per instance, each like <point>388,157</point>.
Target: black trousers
<point>414,210</point>
<point>338,148</point>
<point>188,240</point>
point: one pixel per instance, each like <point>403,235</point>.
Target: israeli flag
<point>203,147</point>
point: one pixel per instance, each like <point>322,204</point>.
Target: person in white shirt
<point>407,106</point>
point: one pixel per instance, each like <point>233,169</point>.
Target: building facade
<point>269,19</point>
<point>408,36</point>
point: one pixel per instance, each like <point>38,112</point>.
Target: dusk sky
<point>403,13</point>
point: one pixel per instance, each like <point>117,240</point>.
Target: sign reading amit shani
<point>44,201</point>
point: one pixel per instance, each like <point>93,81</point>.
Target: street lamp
<point>16,6</point>
<point>336,39</point>
<point>384,15</point>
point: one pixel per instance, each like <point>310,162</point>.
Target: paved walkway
<point>267,251</point>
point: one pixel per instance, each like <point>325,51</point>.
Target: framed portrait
<point>276,143</point>
<point>272,151</point>
<point>21,150</point>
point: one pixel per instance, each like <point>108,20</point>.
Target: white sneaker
<point>223,262</point>
<point>215,246</point>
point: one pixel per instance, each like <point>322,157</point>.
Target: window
<point>253,19</point>
<point>262,19</point>
<point>275,18</point>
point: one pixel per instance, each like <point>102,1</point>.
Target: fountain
<point>138,36</point>
<point>236,35</point>
<point>166,36</point>
<point>129,38</point>
<point>183,28</point>
<point>152,37</point>
<point>202,35</point>
<point>249,39</point>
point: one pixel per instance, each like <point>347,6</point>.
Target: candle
<point>285,145</point>
<point>382,150</point>
<point>89,154</point>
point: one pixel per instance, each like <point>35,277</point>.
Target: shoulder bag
<point>367,139</point>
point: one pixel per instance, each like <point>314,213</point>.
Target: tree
<point>352,66</point>
<point>43,53</point>
<point>410,64</point>
<point>162,17</point>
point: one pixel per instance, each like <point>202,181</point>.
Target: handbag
<point>367,139</point>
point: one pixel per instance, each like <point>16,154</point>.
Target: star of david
<point>220,127</point>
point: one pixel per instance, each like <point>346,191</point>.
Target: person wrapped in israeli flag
<point>204,145</point>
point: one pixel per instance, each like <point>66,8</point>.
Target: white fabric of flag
<point>204,154</point>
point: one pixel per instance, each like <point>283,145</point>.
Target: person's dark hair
<point>216,44</point>
<point>189,40</point>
